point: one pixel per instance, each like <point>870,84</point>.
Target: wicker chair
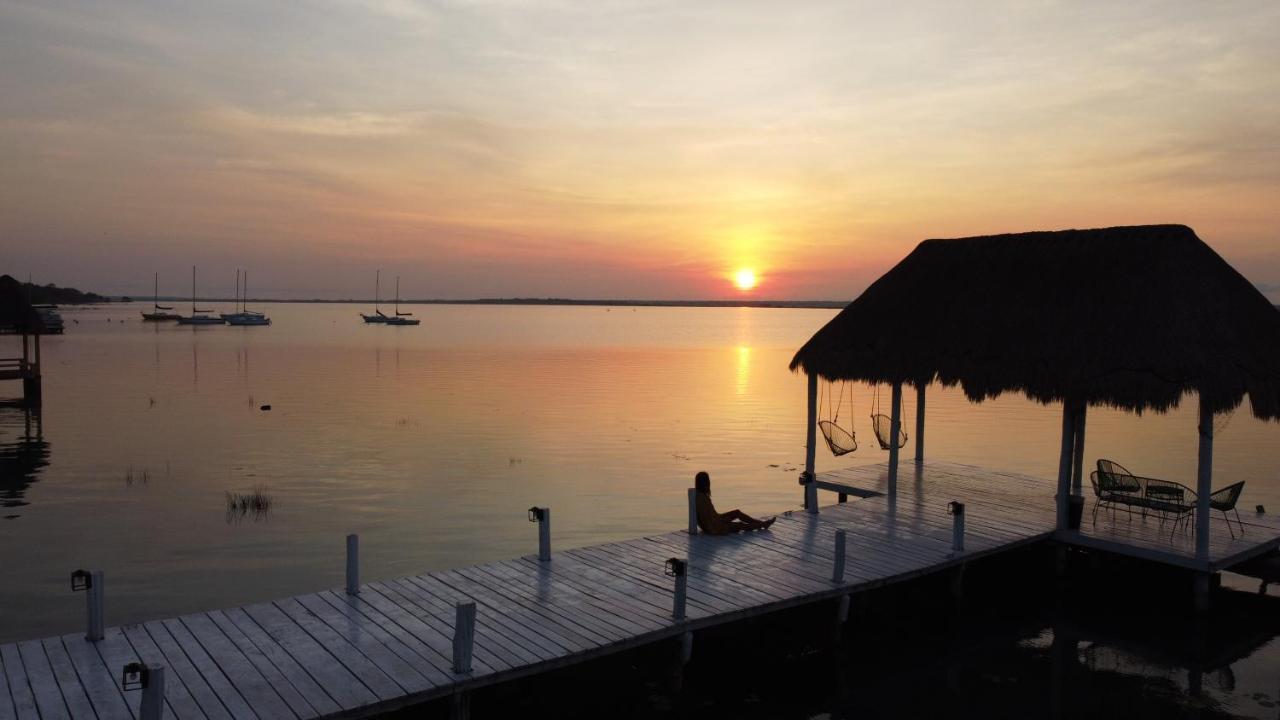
<point>882,425</point>
<point>1225,500</point>
<point>1113,485</point>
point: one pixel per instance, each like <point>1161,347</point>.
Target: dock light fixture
<point>677,567</point>
<point>135,676</point>
<point>81,580</point>
<point>537,514</point>
<point>150,680</point>
<point>1261,510</point>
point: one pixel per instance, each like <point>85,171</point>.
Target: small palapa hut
<point>1127,317</point>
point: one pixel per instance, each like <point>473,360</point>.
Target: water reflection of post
<point>1064,655</point>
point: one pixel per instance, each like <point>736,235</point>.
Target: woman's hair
<point>702,482</point>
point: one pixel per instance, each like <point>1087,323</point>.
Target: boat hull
<point>160,317</point>
<point>247,320</point>
<point>201,320</point>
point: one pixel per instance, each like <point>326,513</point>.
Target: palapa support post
<point>1065,457</point>
<point>353,564</point>
<point>1077,471</point>
<point>1203,588</point>
<point>956,509</point>
<point>542,516</point>
<point>1204,480</point>
<point>150,680</point>
<point>693,511</point>
<point>678,569</point>
<point>460,705</point>
<point>837,571</point>
<point>464,633</point>
<point>811,447</point>
<point>895,430</point>
<point>95,600</point>
<point>920,423</point>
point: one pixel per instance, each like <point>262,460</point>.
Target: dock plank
<point>22,699</point>
<point>328,670</point>
<point>44,686</point>
<point>209,671</point>
<point>98,682</point>
<point>73,693</point>
<point>303,684</point>
<point>238,669</point>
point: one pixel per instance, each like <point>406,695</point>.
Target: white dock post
<point>837,573</point>
<point>1077,470</point>
<point>920,424</point>
<point>957,525</point>
<point>150,680</point>
<point>1065,457</point>
<point>353,564</point>
<point>895,430</point>
<point>95,600</point>
<point>678,569</point>
<point>693,511</point>
<point>542,516</point>
<point>1204,480</point>
<point>464,633</point>
<point>811,446</point>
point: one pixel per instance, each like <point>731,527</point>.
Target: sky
<point>513,148</point>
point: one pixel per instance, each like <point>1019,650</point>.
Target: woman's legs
<point>739,515</point>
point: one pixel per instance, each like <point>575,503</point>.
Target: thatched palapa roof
<point>1130,317</point>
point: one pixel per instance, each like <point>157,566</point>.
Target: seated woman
<point>716,523</point>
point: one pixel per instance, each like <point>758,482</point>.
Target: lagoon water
<point>432,441</point>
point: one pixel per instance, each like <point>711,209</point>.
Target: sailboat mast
<point>237,300</point>
<point>397,295</point>
<point>244,301</point>
<point>193,290</point>
<point>377,286</point>
<point>155,299</point>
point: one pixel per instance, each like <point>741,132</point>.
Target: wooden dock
<point>391,645</point>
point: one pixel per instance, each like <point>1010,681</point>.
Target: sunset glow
<point>616,150</point>
<point>745,279</point>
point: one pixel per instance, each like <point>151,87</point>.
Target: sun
<point>745,279</point>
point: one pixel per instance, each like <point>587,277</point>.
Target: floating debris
<point>265,408</point>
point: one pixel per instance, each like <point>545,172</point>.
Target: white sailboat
<point>401,318</point>
<point>196,318</point>
<point>159,313</point>
<point>243,315</point>
<point>377,316</point>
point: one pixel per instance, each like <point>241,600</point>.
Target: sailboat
<point>377,316</point>
<point>159,314</point>
<point>401,318</point>
<point>243,315</point>
<point>196,318</point>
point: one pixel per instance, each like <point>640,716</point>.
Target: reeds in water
<point>255,504</point>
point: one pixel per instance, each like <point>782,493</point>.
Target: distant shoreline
<point>809,304</point>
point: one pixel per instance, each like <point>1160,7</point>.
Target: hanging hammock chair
<point>840,440</point>
<point>883,424</point>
